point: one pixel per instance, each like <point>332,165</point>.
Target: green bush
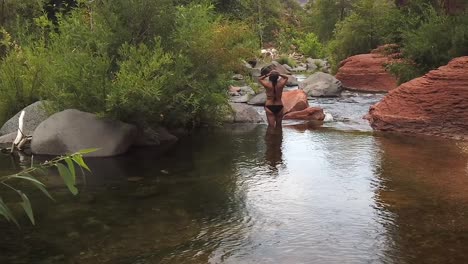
<point>404,70</point>
<point>437,40</point>
<point>140,90</point>
<point>209,50</point>
<point>21,78</point>
<point>167,67</point>
<point>287,60</point>
<point>79,67</point>
<point>310,46</point>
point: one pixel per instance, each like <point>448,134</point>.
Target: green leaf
<point>28,178</point>
<point>67,178</point>
<point>79,160</point>
<point>36,183</point>
<point>71,167</point>
<point>7,213</point>
<point>26,204</point>
<point>86,151</point>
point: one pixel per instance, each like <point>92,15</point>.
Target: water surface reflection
<point>246,194</point>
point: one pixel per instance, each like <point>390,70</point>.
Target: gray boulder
<point>259,99</point>
<point>34,115</point>
<point>71,130</point>
<point>255,72</point>
<point>278,67</point>
<point>240,99</point>
<point>7,140</point>
<point>287,67</point>
<point>292,81</point>
<point>243,113</point>
<point>321,85</point>
<point>274,65</point>
<point>299,69</point>
<point>246,90</point>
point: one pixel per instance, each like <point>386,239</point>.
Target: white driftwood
<point>20,134</point>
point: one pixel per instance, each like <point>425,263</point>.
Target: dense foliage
<point>145,63</point>
<point>169,61</point>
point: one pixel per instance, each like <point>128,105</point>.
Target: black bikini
<point>275,108</point>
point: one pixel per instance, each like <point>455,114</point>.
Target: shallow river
<point>243,194</point>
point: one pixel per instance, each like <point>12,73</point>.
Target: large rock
<point>243,113</point>
<point>435,104</point>
<point>72,130</point>
<point>292,81</point>
<point>309,114</point>
<point>7,140</point>
<point>274,65</point>
<point>321,84</point>
<point>34,115</point>
<point>295,100</point>
<point>280,68</point>
<point>242,90</point>
<point>240,99</point>
<point>259,99</point>
<point>366,72</point>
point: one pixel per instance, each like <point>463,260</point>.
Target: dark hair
<point>265,70</point>
<point>274,78</point>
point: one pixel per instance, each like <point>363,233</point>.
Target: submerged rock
<point>309,114</point>
<point>435,104</point>
<point>366,72</point>
<point>71,130</point>
<point>321,84</point>
<point>34,115</point>
<point>153,137</point>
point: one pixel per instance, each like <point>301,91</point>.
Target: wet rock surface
<point>366,72</point>
<point>435,104</point>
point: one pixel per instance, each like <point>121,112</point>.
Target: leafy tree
<point>325,14</point>
<point>371,23</point>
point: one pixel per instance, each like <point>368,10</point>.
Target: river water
<point>337,193</point>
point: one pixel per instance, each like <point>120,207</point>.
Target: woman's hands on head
<point>273,72</point>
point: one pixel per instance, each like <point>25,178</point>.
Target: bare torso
<point>274,94</point>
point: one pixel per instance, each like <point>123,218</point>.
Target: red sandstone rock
<point>309,114</point>
<point>435,104</point>
<point>366,72</point>
<point>295,100</point>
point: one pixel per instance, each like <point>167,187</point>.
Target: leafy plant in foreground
<point>66,168</point>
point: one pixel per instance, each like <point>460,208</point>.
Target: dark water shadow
<point>273,143</point>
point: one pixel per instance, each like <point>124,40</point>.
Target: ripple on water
<point>246,196</point>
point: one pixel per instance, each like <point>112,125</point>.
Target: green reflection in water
<point>245,195</point>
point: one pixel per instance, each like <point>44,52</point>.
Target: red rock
<point>435,104</point>
<point>366,72</point>
<point>295,100</point>
<point>309,114</point>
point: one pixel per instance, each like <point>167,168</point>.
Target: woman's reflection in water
<point>273,142</point>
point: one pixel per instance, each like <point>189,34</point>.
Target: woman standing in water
<point>274,91</point>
